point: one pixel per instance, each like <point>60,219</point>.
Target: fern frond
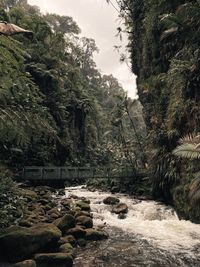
<point>187,150</point>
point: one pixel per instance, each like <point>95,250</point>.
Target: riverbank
<point>48,228</point>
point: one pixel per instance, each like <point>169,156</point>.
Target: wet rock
<point>65,223</point>
<point>84,221</point>
<point>66,203</point>
<point>54,214</point>
<point>122,216</point>
<point>27,263</point>
<point>67,239</point>
<point>81,242</point>
<point>93,234</point>
<point>77,232</point>
<point>83,205</point>
<point>61,192</point>
<point>111,200</point>
<point>83,213</point>
<point>19,243</point>
<point>54,260</point>
<point>120,208</point>
<point>67,248</point>
<point>29,194</point>
<point>73,196</point>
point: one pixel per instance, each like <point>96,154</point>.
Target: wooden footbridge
<point>72,173</point>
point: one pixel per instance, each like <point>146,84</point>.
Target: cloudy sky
<point>99,21</point>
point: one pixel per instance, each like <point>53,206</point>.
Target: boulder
<point>67,248</point>
<point>83,213</point>
<point>29,194</point>
<point>54,260</point>
<point>120,208</point>
<point>65,223</point>
<point>93,234</point>
<point>77,232</point>
<point>67,239</point>
<point>84,221</point>
<point>83,205</point>
<point>19,243</point>
<point>111,200</point>
<point>122,216</point>
<point>27,263</point>
<point>66,203</point>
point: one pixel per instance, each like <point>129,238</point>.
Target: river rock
<point>83,213</point>
<point>120,208</point>
<point>111,200</point>
<point>93,234</point>
<point>122,216</point>
<point>65,223</point>
<point>27,263</point>
<point>67,248</point>
<point>83,205</point>
<point>54,260</point>
<point>29,194</point>
<point>19,243</point>
<point>66,203</point>
<point>77,232</point>
<point>84,221</point>
<point>67,239</point>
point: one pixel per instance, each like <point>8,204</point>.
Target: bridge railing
<point>70,173</point>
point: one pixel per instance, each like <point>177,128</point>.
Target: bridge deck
<point>70,173</point>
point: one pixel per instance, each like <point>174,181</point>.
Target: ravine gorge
<point>88,176</point>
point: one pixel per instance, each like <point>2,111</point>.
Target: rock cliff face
<point>164,45</point>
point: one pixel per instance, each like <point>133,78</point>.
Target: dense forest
<point>56,106</point>
<point>164,50</point>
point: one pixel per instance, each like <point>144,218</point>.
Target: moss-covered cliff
<point>164,44</point>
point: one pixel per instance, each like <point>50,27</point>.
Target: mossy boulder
<point>111,200</point>
<point>67,239</point>
<point>84,221</point>
<point>67,248</point>
<point>66,203</point>
<point>19,243</point>
<point>54,260</point>
<point>65,223</point>
<point>29,194</point>
<point>77,232</point>
<point>83,205</point>
<point>94,235</point>
<point>27,263</point>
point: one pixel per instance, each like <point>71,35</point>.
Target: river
<point>151,235</point>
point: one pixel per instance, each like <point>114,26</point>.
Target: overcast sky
<point>99,21</point>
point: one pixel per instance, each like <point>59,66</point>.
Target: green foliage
<point>189,147</point>
<point>55,106</point>
<point>165,55</point>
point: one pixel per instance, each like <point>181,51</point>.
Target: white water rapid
<point>149,226</point>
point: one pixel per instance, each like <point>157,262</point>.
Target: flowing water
<point>150,235</point>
